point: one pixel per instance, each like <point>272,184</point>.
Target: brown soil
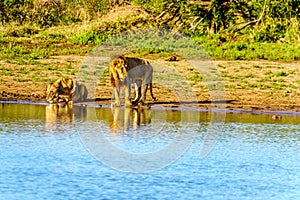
<point>249,86</point>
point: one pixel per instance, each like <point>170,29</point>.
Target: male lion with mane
<point>66,90</point>
<point>124,71</point>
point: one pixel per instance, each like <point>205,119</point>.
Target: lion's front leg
<point>144,91</point>
<point>117,102</point>
<point>127,96</point>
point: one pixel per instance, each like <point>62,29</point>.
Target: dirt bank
<point>248,85</point>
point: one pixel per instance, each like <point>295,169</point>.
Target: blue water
<point>45,157</point>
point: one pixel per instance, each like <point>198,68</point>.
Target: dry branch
<point>254,21</point>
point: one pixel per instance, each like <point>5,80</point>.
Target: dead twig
<point>254,21</point>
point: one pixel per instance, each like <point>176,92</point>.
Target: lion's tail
<point>151,92</point>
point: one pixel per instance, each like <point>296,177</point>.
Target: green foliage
<point>230,29</point>
<point>22,79</point>
<point>240,50</point>
<point>51,12</point>
<point>14,10</point>
<point>48,13</point>
<point>261,20</point>
<point>108,29</point>
<point>282,74</point>
<point>91,37</point>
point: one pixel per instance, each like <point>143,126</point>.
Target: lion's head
<point>118,70</point>
<point>56,90</point>
<point>51,92</point>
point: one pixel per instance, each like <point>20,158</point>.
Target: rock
<point>275,117</point>
<point>172,59</point>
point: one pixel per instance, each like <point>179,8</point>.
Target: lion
<point>66,90</point>
<point>126,70</point>
<point>80,92</point>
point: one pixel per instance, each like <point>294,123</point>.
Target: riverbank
<point>248,85</point>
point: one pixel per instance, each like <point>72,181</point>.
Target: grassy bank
<point>249,61</point>
<point>26,47</point>
<point>28,44</point>
<point>229,30</point>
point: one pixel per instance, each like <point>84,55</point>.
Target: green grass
<point>50,67</point>
<point>27,44</point>
<point>241,50</point>
<point>257,67</point>
<point>250,75</point>
<point>282,74</point>
<point>22,79</point>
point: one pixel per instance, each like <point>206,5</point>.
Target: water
<point>53,153</point>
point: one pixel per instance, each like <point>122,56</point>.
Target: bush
<point>51,12</point>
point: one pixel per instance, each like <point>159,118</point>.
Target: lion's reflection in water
<point>128,119</point>
<point>60,116</point>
